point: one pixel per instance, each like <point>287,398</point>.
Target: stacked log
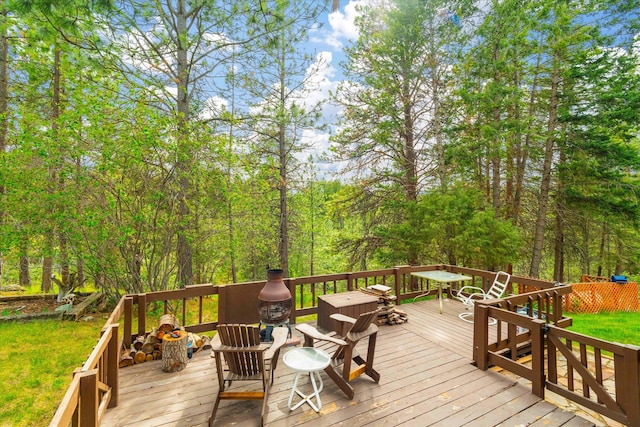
<point>382,292</point>
<point>391,315</point>
<point>148,347</point>
<point>388,312</point>
<point>125,358</point>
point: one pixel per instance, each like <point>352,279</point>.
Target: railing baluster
<point>552,362</point>
<point>597,360</point>
<point>570,384</point>
<point>584,361</point>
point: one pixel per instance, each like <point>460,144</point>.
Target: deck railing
<point>578,367</point>
<point>95,385</point>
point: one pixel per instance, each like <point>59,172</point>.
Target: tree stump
<point>174,351</point>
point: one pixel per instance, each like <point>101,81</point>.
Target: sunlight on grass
<point>41,357</point>
<point>620,327</point>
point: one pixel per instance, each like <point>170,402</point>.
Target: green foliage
<point>456,225</point>
<point>445,128</point>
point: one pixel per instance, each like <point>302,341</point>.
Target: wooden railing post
<point>481,336</point>
<point>142,314</point>
<point>128,322</point>
<point>628,391</point>
<point>538,379</point>
<point>349,282</point>
<point>88,405</point>
<point>398,284</point>
<point>113,358</point>
<point>291,284</point>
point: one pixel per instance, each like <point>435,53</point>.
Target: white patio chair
<point>470,294</point>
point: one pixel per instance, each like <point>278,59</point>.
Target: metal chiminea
<point>274,302</point>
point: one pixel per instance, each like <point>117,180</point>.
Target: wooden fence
<point>576,364</point>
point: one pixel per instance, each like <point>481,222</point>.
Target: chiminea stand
<point>265,334</point>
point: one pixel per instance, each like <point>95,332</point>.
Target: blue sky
<point>328,40</point>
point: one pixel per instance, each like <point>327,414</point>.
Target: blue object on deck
<point>619,279</point>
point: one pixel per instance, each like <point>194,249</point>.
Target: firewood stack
<point>391,315</point>
<point>389,312</point>
<point>149,347</point>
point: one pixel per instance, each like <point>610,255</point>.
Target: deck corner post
<point>481,336</point>
<point>349,282</point>
<point>222,304</point>
<point>631,402</point>
<point>88,406</point>
<point>113,359</point>
<point>128,321</point>
<point>538,379</point>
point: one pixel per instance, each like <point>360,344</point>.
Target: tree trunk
<point>47,267</point>
<point>184,251</point>
<point>523,152</point>
<point>558,265</point>
<point>80,272</point>
<point>545,184</point>
<point>586,253</point>
<point>4,103</point>
<point>410,167</point>
<point>619,256</point>
<point>25,276</point>
<point>283,170</point>
<point>603,239</point>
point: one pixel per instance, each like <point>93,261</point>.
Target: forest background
<point>150,145</point>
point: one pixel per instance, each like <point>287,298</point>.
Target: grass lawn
<point>37,359</point>
<point>620,327</point>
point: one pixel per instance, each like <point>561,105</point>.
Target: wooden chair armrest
<point>279,336</point>
<point>356,336</point>
<point>312,332</point>
<point>216,345</point>
<point>342,318</point>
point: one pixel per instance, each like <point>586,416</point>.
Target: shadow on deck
<point>426,379</point>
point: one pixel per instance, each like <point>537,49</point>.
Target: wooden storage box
<point>351,304</point>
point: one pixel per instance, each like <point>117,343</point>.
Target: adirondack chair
<point>470,294</point>
<point>245,359</point>
<point>350,332</point>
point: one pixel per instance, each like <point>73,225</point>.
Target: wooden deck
<point>426,379</point>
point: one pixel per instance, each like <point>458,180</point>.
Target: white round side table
<point>307,360</point>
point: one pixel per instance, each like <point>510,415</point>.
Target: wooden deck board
<point>426,379</point>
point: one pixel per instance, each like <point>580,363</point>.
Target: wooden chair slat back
<point>363,321</point>
<point>241,363</point>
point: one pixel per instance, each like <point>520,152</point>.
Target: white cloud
<point>213,107</point>
<point>343,24</point>
<point>319,79</point>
